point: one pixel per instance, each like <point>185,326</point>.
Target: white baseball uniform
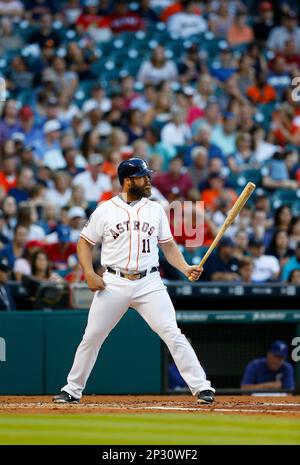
<point>130,234</point>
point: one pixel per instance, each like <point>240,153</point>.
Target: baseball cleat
<point>65,398</point>
<point>205,397</point>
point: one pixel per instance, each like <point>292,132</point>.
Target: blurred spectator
<point>16,248</point>
<point>157,147</point>
<point>158,69</point>
<point>8,173</point>
<point>27,217</point>
<point>290,58</point>
<point>216,189</point>
<point>38,8</point>
<point>265,22</point>
<point>294,232</point>
<point>243,158</point>
<point>9,208</point>
<point>75,275</point>
<point>45,35</point>
<point>77,217</point>
<point>266,267</point>
<point>272,372</point>
<point>246,73</point>
<point>241,243</point>
<point>8,121</point>
<point>191,65</point>
<point>225,136</point>
<point>11,8</point>
<point>20,77</point>
<point>246,269</point>
<point>6,301</point>
<point>262,149</point>
<point>239,32</point>
<point>259,227</point>
<point>41,268</point>
<point>134,127</point>
<point>9,40</point>
<point>261,92</point>
<point>175,182</point>
<point>221,21</point>
<point>186,22</point>
<point>279,247</point>
<point>145,11</point>
<point>224,67</point>
<point>276,174</point>
<point>222,265</point>
<point>60,193</point>
<point>93,181</point>
<point>283,218</point>
<point>122,19</point>
<point>25,181</point>
<point>49,219</point>
<point>176,132</point>
<point>59,252</point>
<point>198,170</point>
<point>292,264</point>
<point>294,277</point>
<point>280,34</point>
<point>203,138</point>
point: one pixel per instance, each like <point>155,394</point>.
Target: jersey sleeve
<point>93,229</point>
<point>249,375</point>
<point>164,232</point>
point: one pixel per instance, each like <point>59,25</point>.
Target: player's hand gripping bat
<point>235,210</point>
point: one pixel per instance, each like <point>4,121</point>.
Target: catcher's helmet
<point>133,168</point>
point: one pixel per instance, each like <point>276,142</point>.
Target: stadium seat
<point>287,197</point>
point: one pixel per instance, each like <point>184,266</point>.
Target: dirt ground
<point>283,406</point>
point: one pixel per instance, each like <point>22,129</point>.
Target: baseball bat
<point>235,210</point>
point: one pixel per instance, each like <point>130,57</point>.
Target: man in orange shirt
<point>261,92</point>
<point>240,33</point>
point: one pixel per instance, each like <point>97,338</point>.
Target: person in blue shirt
<point>270,372</point>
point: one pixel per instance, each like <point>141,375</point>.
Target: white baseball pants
<point>149,297</point>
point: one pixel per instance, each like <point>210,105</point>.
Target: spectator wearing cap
<point>187,22</point>
<point>225,136</point>
<point>77,217</point>
<point>288,30</point>
<point>31,131</point>
<point>93,181</point>
<point>6,301</point>
<point>177,131</point>
<point>176,181</point>
<point>222,265</point>
<point>266,267</point>
<point>25,181</point>
<point>59,252</point>
<point>265,22</point>
<point>158,68</point>
<point>239,32</point>
<point>16,248</point>
<point>291,265</point>
<point>271,372</point>
<point>49,151</point>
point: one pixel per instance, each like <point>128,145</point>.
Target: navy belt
<point>131,276</point>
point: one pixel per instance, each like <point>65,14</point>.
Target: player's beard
<point>140,191</point>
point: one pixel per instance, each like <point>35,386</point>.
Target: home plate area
<point>288,406</point>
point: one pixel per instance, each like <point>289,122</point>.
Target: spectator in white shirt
<point>280,34</point>
<point>187,22</point>
<point>60,194</point>
<point>176,132</point>
<point>92,180</point>
<point>158,69</point>
<point>266,267</point>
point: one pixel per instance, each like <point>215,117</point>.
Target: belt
<point>131,276</point>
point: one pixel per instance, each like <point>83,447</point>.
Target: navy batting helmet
<point>133,168</point>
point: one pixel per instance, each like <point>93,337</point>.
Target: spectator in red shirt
<point>90,17</point>
<point>60,251</point>
<point>176,182</point>
<point>122,19</point>
<point>8,173</point>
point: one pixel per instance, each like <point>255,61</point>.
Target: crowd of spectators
<point>202,90</point>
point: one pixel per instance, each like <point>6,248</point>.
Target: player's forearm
<point>84,252</point>
<point>174,256</point>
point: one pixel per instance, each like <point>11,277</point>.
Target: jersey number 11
<point>146,246</point>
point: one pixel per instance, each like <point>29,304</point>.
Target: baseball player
<point>130,228</point>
